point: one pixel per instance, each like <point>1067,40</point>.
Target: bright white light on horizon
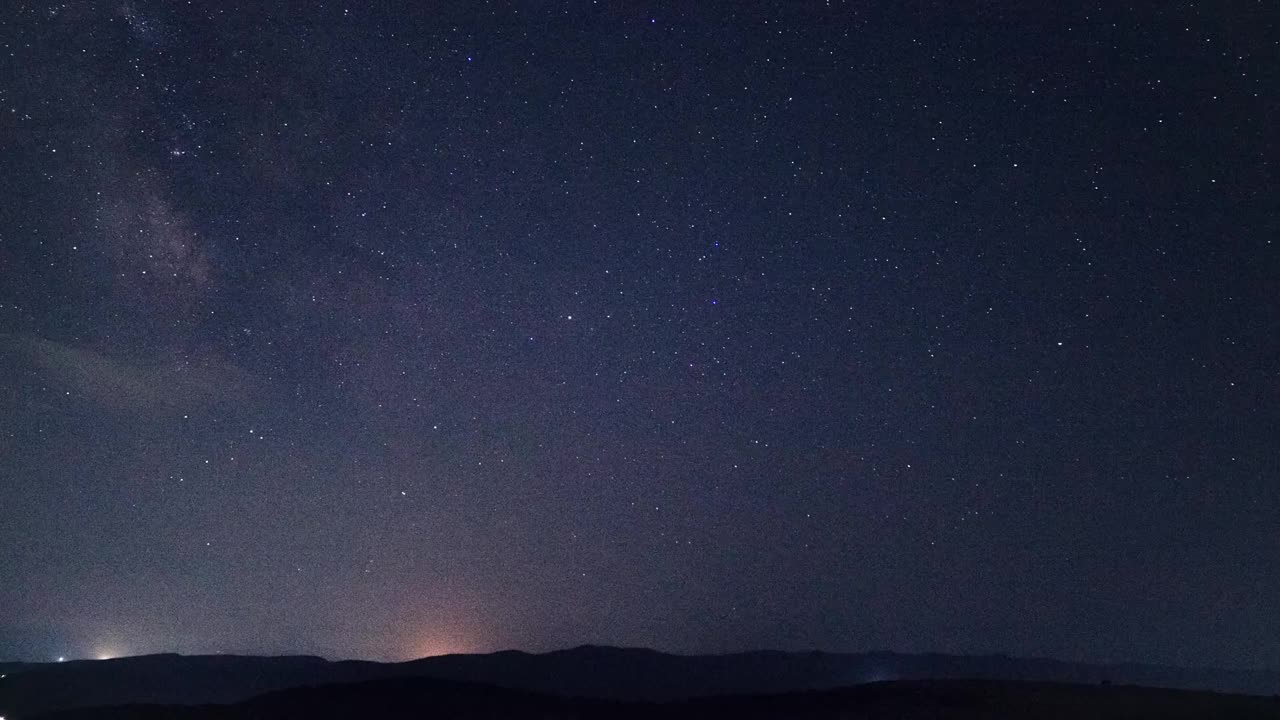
<point>61,659</point>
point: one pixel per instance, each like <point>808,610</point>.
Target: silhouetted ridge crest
<point>596,671</point>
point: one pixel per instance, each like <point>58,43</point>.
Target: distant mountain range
<point>593,673</point>
<point>417,698</point>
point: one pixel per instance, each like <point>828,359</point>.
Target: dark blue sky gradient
<point>386,329</point>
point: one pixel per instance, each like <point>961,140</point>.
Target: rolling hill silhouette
<point>405,698</point>
<point>587,672</point>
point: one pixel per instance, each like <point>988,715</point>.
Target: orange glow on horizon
<point>108,651</point>
<point>441,641</point>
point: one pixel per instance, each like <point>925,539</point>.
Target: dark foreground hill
<point>416,698</point>
<point>587,672</point>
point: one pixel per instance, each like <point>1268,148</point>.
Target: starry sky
<point>390,329</point>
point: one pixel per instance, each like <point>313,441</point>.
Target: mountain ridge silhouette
<point>585,671</point>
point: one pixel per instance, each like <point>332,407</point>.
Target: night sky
<point>383,330</point>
